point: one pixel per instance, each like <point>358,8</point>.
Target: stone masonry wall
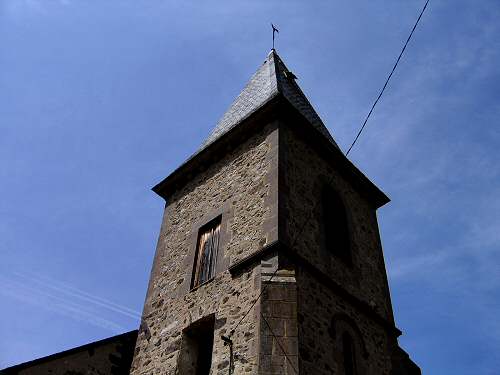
<point>305,173</point>
<point>278,326</point>
<point>242,187</point>
<point>109,356</point>
<point>323,317</point>
<point>323,313</point>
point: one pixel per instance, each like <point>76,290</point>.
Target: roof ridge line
<point>272,78</point>
<point>275,56</point>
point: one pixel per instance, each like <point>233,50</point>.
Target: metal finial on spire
<point>274,30</point>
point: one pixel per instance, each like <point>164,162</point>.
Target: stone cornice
<point>278,108</point>
<point>279,247</point>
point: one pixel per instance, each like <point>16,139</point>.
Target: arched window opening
<point>349,355</point>
<point>336,227</point>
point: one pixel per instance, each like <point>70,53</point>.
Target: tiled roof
<point>271,79</point>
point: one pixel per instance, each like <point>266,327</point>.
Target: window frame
<point>210,225</point>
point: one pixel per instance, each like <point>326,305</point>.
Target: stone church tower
<point>269,259</point>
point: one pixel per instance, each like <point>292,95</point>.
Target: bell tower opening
<point>349,357</point>
<point>336,225</point>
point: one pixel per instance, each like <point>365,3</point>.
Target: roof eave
<point>220,145</point>
<point>277,106</point>
<point>331,151</point>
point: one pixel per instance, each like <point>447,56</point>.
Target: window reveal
<point>336,226</point>
<point>195,357</point>
<point>206,253</point>
<point>349,356</point>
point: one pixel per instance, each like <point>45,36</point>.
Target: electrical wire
<point>253,303</point>
<point>388,78</point>
<point>347,153</point>
<point>299,233</point>
<point>279,344</point>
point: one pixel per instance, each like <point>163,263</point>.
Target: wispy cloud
<point>433,144</point>
<point>64,299</point>
<point>18,7</point>
<point>77,294</point>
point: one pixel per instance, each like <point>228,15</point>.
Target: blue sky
<point>99,100</point>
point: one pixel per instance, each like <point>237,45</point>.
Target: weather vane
<point>275,30</point>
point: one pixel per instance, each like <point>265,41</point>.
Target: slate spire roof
<point>271,79</point>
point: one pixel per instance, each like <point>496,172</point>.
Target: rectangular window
<point>207,249</point>
<point>195,356</point>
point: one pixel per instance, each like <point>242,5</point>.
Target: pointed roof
<point>272,84</point>
<point>271,79</point>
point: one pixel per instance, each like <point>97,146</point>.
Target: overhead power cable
<point>264,287</point>
<point>279,344</point>
<point>298,235</point>
<point>388,78</point>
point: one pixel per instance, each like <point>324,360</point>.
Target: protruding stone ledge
<point>279,247</point>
